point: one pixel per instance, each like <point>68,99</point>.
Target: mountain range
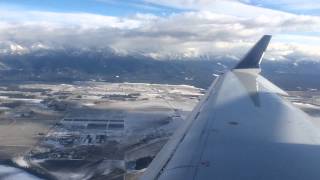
<point>75,64</point>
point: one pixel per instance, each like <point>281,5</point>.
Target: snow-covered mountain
<point>40,62</point>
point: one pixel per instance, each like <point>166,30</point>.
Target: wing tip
<point>253,58</point>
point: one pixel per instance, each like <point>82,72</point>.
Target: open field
<point>89,129</point>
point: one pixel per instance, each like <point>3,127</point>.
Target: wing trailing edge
<point>253,58</point>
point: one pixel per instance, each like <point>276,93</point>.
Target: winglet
<point>253,58</point>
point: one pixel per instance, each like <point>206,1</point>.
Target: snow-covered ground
<point>12,173</point>
<point>150,114</point>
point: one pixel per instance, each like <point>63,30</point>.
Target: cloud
<point>239,8</point>
<point>182,35</point>
<point>245,7</point>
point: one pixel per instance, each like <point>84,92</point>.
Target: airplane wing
<point>242,129</point>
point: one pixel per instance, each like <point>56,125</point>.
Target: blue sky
<point>162,28</point>
<point>104,7</point>
<point>127,7</point>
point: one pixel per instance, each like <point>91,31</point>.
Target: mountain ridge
<point>106,65</point>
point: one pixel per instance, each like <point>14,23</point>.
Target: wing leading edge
<point>241,129</point>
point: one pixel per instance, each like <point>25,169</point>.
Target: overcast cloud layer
<point>215,28</point>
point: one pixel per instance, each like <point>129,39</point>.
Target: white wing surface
<point>242,129</point>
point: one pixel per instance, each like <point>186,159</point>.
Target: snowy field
<point>113,125</point>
